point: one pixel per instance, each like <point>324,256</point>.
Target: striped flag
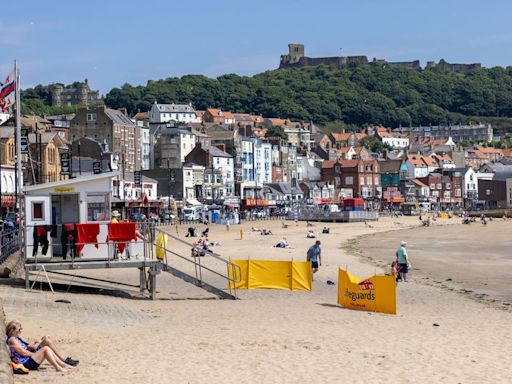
<point>8,92</point>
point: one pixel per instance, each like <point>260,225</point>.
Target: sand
<point>271,336</point>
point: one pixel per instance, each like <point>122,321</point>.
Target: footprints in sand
<point>282,344</point>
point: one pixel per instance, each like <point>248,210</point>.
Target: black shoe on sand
<point>71,362</point>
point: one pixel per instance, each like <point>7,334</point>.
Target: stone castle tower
<point>77,93</point>
<point>295,53</point>
<point>56,92</point>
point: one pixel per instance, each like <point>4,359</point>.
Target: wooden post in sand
<point>142,279</point>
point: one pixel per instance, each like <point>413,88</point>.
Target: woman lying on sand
<point>32,355</point>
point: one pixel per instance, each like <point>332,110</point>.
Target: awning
<point>193,202</point>
<point>393,199</point>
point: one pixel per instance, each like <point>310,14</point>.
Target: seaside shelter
<point>69,225</point>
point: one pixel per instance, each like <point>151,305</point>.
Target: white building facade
<point>396,142</point>
<point>164,113</point>
<point>263,161</point>
<point>193,180</point>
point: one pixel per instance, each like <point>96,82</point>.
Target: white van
<point>192,213</point>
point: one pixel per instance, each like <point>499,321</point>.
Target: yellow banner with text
<point>375,294</point>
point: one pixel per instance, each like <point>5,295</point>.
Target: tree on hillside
<point>276,131</point>
<point>373,144</point>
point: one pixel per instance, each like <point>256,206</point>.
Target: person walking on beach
<point>314,255</point>
<point>403,261</point>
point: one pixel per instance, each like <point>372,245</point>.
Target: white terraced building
<point>164,113</point>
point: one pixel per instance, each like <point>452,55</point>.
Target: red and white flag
<point>8,92</point>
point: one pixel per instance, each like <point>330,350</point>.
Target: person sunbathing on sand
<point>32,355</point>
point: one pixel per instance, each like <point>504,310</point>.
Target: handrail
<point>236,271</point>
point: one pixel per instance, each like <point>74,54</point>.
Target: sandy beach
<point>271,336</point>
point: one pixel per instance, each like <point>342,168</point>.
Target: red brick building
<point>362,176</point>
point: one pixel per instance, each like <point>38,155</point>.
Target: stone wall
<point>6,376</point>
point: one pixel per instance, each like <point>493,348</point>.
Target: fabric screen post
<point>302,279</point>
<point>244,275</point>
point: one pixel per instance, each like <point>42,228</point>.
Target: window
<point>368,180</point>
<point>439,186</point>
<point>448,186</point>
<point>432,186</point>
<point>96,207</point>
<point>349,180</point>
<point>376,180</point>
<point>447,194</point>
<point>458,192</point>
<point>217,161</point>
<point>337,180</point>
<point>361,180</point>
<point>91,117</point>
<point>37,211</point>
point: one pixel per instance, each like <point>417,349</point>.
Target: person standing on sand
<point>403,261</point>
<point>314,255</point>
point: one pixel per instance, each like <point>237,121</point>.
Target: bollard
<point>241,234</point>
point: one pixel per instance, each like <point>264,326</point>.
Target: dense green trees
<point>355,95</point>
<point>276,131</point>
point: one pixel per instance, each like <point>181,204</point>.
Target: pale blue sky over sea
<point>112,42</point>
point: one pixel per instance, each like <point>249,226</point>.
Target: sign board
<point>65,163</point>
<point>96,167</point>
<point>24,145</point>
<point>137,178</point>
<point>64,189</point>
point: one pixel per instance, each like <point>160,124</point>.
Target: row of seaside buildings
<point>226,159</point>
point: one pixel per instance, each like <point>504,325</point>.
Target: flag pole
<point>19,182</point>
<point>18,136</point>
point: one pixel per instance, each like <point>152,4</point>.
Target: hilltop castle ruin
<point>296,59</point>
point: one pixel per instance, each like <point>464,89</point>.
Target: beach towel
<point>86,234</point>
<point>121,233</point>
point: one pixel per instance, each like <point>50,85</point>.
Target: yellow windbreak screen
<point>375,294</point>
<point>270,274</point>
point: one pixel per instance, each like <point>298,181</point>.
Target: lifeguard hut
<point>68,226</point>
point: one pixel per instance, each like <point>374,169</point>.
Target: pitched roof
<point>140,116</point>
<point>443,156</point>
<point>417,160</point>
<point>490,150</point>
<point>390,166</point>
<point>328,164</point>
<point>176,108</point>
<point>278,122</point>
<point>416,181</point>
<point>222,135</point>
<point>348,163</point>
<point>215,112</point>
<point>429,161</point>
<point>118,117</point>
<point>214,151</point>
<point>507,152</point>
<point>344,136</point>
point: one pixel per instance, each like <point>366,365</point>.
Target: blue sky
<point>113,42</point>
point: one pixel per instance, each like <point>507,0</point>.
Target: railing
<point>232,276</point>
<point>9,242</point>
<point>104,248</point>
